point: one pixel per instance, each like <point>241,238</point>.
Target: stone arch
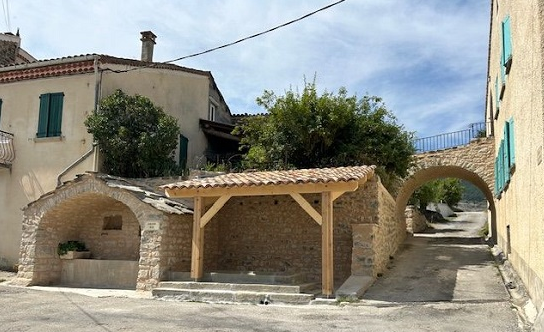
<point>59,215</point>
<point>473,163</point>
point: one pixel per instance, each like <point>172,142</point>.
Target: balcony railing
<point>450,140</point>
<point>7,152</point>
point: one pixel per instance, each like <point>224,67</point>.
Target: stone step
<point>310,288</point>
<point>245,277</point>
<point>230,296</point>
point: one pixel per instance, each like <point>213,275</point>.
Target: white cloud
<point>427,59</point>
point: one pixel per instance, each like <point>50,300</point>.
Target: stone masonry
<point>259,233</point>
<point>77,211</point>
<point>274,234</point>
<point>473,162</point>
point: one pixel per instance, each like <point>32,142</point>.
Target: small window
<point>112,223</point>
<point>183,149</point>
<point>211,112</point>
<point>50,116</point>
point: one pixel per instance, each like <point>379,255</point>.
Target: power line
<point>257,34</point>
<point>237,41</point>
<point>5,7</point>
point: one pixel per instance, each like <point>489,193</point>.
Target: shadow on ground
<point>428,270</point>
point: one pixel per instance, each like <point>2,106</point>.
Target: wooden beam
<point>197,254</point>
<point>263,190</point>
<point>213,210</point>
<point>337,194</point>
<point>327,248</point>
<point>307,207</point>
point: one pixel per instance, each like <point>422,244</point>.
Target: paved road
<point>438,283</point>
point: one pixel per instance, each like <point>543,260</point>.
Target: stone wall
<point>274,234</point>
<point>378,239</point>
<point>415,221</point>
<point>8,52</point>
<point>77,211</point>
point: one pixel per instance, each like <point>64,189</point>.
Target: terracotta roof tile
<point>300,176</point>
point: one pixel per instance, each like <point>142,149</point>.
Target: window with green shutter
<point>183,149</point>
<point>50,116</point>
<point>497,97</point>
<point>511,146</point>
<point>506,44</point>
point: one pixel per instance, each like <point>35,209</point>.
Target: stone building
<point>264,222</point>
<point>43,105</point>
<point>515,113</point>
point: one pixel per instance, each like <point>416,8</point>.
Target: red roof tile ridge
<point>264,178</point>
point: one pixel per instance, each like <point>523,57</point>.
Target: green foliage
<point>306,130</point>
<point>64,247</point>
<point>136,137</point>
<point>449,191</point>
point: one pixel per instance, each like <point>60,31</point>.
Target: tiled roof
<point>80,64</point>
<point>21,72</point>
<point>134,187</point>
<point>271,178</point>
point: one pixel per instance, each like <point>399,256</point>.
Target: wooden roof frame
<point>329,191</point>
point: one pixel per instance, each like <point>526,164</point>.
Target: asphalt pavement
<point>443,280</point>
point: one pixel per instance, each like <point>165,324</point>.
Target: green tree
<point>448,190</point>
<point>135,137</point>
<point>305,130</point>
<point>424,195</point>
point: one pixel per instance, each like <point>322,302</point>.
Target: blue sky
<point>426,58</point>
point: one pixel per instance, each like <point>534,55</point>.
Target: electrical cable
<point>237,41</point>
<point>257,34</point>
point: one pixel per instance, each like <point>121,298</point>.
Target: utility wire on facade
<point>239,40</point>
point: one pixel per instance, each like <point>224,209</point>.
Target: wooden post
<point>197,255</point>
<point>327,249</point>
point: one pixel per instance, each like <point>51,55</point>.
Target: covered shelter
<point>329,183</point>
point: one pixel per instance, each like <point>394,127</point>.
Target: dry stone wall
<point>415,221</point>
<point>274,234</point>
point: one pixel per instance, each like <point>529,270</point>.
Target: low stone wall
<point>378,239</point>
<point>99,273</point>
<point>415,221</point>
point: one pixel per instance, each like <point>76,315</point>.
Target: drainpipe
<point>97,86</point>
<point>75,163</point>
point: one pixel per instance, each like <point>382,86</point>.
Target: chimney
<point>148,42</point>
<point>9,48</point>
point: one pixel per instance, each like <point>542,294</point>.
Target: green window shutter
<point>43,118</point>
<point>506,41</point>
<point>497,96</point>
<point>183,150</point>
<point>506,168</point>
<point>55,114</point>
<point>497,176</point>
<point>511,146</point>
<point>503,70</point>
<point>506,147</point>
<point>501,168</point>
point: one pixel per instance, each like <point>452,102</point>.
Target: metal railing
<point>450,140</point>
<point>7,151</point>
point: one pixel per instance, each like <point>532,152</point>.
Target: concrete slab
<point>353,288</point>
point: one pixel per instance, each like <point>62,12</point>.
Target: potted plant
<point>73,250</point>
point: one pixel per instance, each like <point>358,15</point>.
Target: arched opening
<point>108,228</point>
<point>424,175</point>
